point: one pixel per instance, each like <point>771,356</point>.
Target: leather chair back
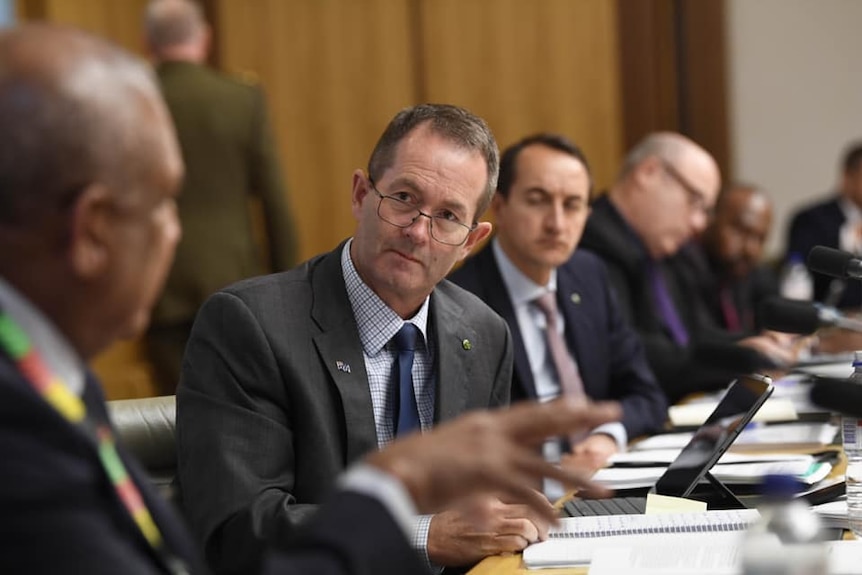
<point>146,427</point>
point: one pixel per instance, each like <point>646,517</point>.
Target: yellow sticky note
<point>656,504</point>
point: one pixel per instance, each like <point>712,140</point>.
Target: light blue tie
<point>407,416</point>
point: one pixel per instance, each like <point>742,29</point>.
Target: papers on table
<point>694,414</point>
<point>746,471</point>
<point>833,513</point>
<point>800,435</point>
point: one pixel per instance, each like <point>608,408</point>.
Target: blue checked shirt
<point>377,324</point>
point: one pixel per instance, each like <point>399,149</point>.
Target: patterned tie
<point>567,371</point>
<point>407,414</point>
<point>665,306</point>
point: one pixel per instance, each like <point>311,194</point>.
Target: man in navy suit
<point>540,209</point>
<point>89,171</point>
<point>836,223</point>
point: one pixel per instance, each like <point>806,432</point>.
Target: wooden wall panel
<point>118,20</point>
<point>335,72</point>
<point>549,65</point>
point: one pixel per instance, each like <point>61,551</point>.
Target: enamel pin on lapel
<point>575,297</point>
<point>342,366</point>
<point>467,345</point>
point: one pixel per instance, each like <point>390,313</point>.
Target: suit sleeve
<point>235,440</point>
<point>643,401</point>
<point>267,182</point>
<point>352,534</point>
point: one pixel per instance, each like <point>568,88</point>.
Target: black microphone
<point>804,317</point>
<point>835,263</point>
<point>837,395</point>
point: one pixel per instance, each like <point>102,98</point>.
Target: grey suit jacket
<point>265,419</point>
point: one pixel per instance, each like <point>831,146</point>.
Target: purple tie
<point>665,306</point>
<point>567,371</point>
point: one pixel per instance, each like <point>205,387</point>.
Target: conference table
<point>513,565</point>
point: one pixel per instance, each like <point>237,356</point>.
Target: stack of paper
<point>643,468</point>
<point>797,435</point>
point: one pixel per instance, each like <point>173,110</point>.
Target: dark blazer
<point>62,515</point>
<point>747,294</point>
<point>819,225</point>
<point>266,420</point>
<point>680,369</point>
<point>609,354</point>
<point>60,512</point>
<point>229,157</point>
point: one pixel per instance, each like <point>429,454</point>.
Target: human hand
<point>769,345</point>
<point>484,525</point>
<point>493,452</point>
<point>592,452</point>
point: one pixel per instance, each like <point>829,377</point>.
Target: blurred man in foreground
<point>89,170</point>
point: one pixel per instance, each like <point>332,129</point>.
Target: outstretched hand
<point>493,451</point>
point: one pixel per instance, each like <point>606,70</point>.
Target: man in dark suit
<point>727,266</point>
<point>231,160</point>
<point>661,199</point>
<point>289,378</point>
<point>88,175</point>
<point>835,223</point>
<point>540,209</point>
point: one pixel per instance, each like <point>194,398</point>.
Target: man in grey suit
<point>289,378</point>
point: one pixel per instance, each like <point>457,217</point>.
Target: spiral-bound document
<point>576,539</point>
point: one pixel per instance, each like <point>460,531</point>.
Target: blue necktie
<point>407,416</point>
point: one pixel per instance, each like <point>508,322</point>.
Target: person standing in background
<point>835,223</point>
<point>230,158</point>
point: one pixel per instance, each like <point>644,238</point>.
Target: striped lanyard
<point>15,342</point>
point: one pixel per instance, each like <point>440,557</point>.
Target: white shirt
<point>531,323</point>
<point>849,236</point>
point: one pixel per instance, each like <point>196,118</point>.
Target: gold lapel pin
<point>467,345</point>
<point>576,298</point>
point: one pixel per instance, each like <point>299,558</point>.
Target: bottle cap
<point>780,486</point>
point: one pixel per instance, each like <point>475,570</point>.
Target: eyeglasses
<point>403,213</point>
<point>696,198</point>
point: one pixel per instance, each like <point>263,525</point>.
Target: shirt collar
<point>55,350</point>
<point>851,211</point>
<point>377,322</point>
<point>522,289</point>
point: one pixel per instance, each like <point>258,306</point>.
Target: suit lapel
<point>578,325</point>
<point>341,352</point>
<point>454,344</point>
<point>497,297</point>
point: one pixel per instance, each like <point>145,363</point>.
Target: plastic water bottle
<point>796,282</point>
<point>851,433</point>
<point>788,537</point>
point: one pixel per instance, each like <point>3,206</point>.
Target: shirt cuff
<point>617,431</point>
<point>391,493</point>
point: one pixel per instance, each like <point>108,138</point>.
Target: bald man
<point>662,199</point>
<point>89,172</point>
<point>231,160</point>
<point>733,278</point>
